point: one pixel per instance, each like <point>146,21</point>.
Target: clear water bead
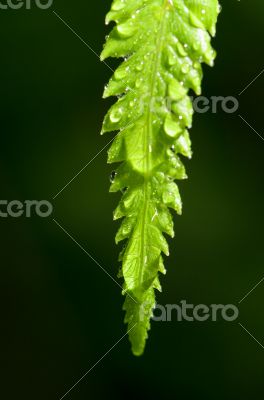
<point>171,127</point>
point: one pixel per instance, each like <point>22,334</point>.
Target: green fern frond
<point>163,43</point>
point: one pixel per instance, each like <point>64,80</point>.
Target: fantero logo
<point>26,4</point>
<point>191,312</point>
<point>16,209</point>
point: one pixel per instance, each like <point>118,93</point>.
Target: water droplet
<point>146,56</point>
<point>195,21</point>
<point>126,29</point>
<point>120,73</point>
<point>181,50</point>
<point>116,115</point>
<point>139,67</point>
<point>172,128</point>
<point>172,58</point>
<point>112,176</point>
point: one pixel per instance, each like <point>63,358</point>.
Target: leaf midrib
<point>147,140</point>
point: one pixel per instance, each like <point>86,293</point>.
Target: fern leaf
<point>163,43</point>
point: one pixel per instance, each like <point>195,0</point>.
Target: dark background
<point>60,313</point>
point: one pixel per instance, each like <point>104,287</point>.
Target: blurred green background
<point>59,312</point>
